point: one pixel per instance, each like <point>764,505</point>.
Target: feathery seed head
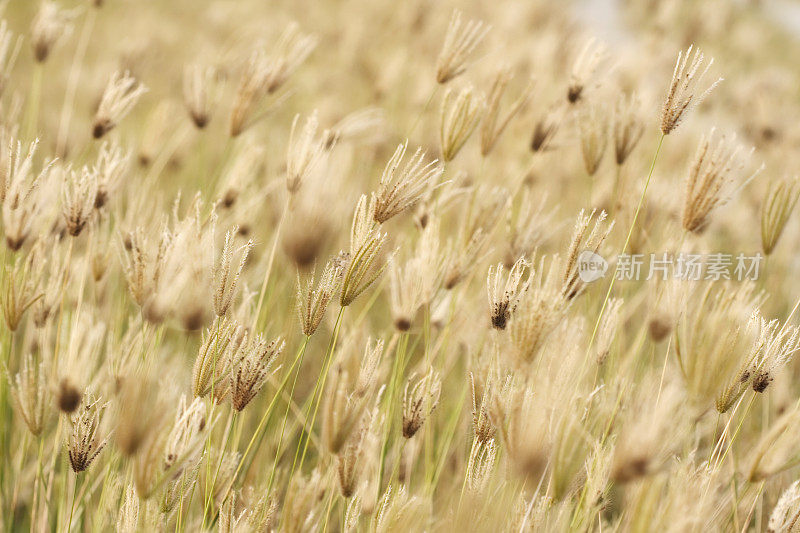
<point>313,302</point>
<point>266,73</point>
<point>50,24</point>
<point>300,511</point>
<point>539,310</point>
<point>311,223</point>
<point>401,190</point>
<point>306,152</point>
<point>363,124</point>
<point>480,465</point>
<point>522,428</point>
<point>545,129</point>
<point>30,394</point>
<point>226,280</point>
<point>584,68</point>
<point>493,124</point>
<point>460,114</point>
<point>111,166</point>
<point>291,50</point>
<point>213,363</point>
<point>242,175</point>
<point>461,39</point>
<point>54,266</point>
<point>420,398</point>
<point>19,196</point>
<point>343,411</point>
<point>185,438</point>
<point>135,426</point>
<point>627,127</point>
<point>776,209</point>
<point>593,126</point>
<point>719,312</point>
<point>119,97</point>
<point>79,192</point>
<point>504,297</point>
<point>785,516</point>
<point>365,264</point>
<point>683,93</point>
<point>709,183</point>
<point>398,511</point>
<point>85,442</point>
<point>648,435</point>
<point>349,463</point>
<point>583,239</point>
<point>21,288</point>
<point>527,226</point>
<point>368,369</point>
<point>416,282</point>
<point>198,81</point>
<point>482,398</point>
<point>607,330</point>
<point>128,515</point>
<point>143,262</point>
<point>249,94</point>
<point>251,366</point>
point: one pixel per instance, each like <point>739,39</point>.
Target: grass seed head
<point>19,192</point>
<point>593,127</point>
<point>420,398</point>
<point>401,190</point>
<point>30,393</point>
<point>198,88</point>
<point>79,192</point>
<point>627,127</point>
<point>505,296</point>
<point>584,68</point>
<point>716,166</point>
<point>252,365</point>
<point>461,111</point>
<point>305,154</point>
<point>120,96</point>
<point>460,41</point>
<point>313,302</point>
<point>545,129</point>
<point>49,26</point>
<point>85,441</point>
<point>493,124</point>
<point>684,88</point>
<point>776,209</point>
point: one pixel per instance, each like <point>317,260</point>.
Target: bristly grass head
<point>685,90</point>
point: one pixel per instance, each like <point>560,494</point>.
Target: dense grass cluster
<point>398,266</point>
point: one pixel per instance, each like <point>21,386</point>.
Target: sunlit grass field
<point>363,265</point>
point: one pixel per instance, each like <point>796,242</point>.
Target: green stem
<point>627,240</point>
<point>397,372</point>
<point>324,376</point>
<point>286,414</point>
<point>424,109</point>
<point>270,263</point>
<point>262,423</point>
<point>227,437</point>
<point>72,507</point>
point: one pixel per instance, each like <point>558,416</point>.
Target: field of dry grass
<point>517,265</point>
